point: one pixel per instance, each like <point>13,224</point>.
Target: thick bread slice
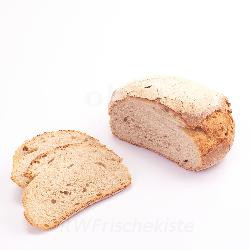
<point>77,177</point>
<point>40,144</point>
<point>179,119</point>
<point>92,151</point>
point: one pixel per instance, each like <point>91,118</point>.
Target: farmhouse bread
<point>177,118</point>
<point>38,145</point>
<point>70,178</point>
<point>92,151</point>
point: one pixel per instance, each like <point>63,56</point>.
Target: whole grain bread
<point>177,118</point>
<point>70,178</point>
<point>40,144</point>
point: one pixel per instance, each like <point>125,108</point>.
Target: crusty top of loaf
<point>192,101</point>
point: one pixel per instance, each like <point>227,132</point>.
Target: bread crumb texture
<point>39,145</point>
<point>62,180</point>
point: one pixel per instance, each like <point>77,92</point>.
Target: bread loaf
<point>177,118</point>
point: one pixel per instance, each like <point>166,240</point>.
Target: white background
<point>60,62</point>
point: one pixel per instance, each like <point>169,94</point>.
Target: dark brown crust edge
<point>214,137</point>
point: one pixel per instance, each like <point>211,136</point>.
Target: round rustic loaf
<point>177,118</point>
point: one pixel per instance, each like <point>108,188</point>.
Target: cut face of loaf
<point>181,120</point>
<point>68,180</point>
<point>39,145</point>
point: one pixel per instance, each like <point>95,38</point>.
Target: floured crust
<point>203,114</point>
<point>189,99</point>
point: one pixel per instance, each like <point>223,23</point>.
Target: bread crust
<point>192,101</point>
<point>212,130</point>
<point>214,137</point>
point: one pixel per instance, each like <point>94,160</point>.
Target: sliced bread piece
<point>92,152</point>
<point>179,119</point>
<point>68,180</point>
<point>40,144</point>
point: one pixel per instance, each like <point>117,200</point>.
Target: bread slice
<point>68,180</point>
<point>38,145</point>
<point>92,151</point>
<point>179,119</point>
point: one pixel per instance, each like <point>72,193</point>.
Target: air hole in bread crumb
<point>99,194</point>
<point>46,225</point>
<point>125,119</point>
<point>29,150</point>
<point>87,184</point>
<point>53,201</point>
<point>77,204</point>
<point>71,165</point>
<point>101,164</point>
<point>84,190</point>
<point>185,160</point>
<point>51,160</point>
<point>65,192</point>
<point>147,87</point>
